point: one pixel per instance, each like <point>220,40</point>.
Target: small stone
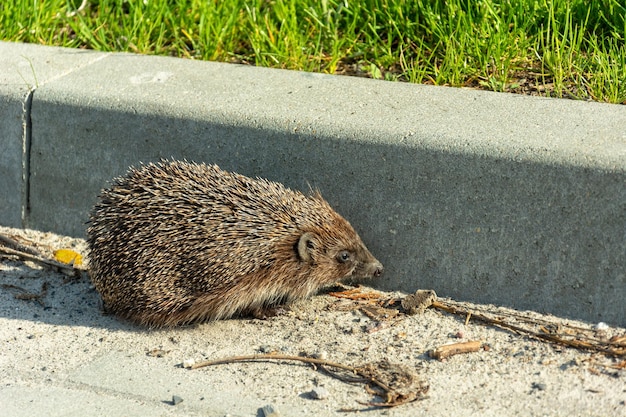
<point>321,355</point>
<point>601,326</point>
<point>176,400</point>
<point>188,363</point>
<point>319,393</point>
<point>539,386</point>
<point>270,411</point>
<point>265,349</point>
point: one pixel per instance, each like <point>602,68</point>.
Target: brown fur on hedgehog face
<point>175,242</point>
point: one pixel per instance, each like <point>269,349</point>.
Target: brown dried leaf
<point>418,302</point>
<point>396,383</point>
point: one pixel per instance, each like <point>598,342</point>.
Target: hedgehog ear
<point>305,244</point>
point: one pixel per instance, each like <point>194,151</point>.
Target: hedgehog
<point>175,242</point>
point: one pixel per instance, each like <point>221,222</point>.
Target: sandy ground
<point>61,356</point>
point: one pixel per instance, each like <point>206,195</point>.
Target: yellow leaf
<point>68,256</point>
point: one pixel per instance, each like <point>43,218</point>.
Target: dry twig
<point>23,294</point>
<point>396,384</point>
<point>11,243</point>
<point>516,322</point>
<point>571,336</point>
<point>31,255</point>
<point>446,351</point>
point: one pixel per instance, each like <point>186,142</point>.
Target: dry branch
<point>570,336</point>
<point>446,351</point>
<point>30,255</point>
<point>396,384</point>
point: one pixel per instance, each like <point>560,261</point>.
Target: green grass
<point>559,48</point>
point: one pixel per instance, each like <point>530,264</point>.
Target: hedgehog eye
<point>344,256</point>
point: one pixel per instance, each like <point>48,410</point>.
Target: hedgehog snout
<point>372,269</point>
<point>368,269</point>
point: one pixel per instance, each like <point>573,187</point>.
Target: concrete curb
<point>482,196</point>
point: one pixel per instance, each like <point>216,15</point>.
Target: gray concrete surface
<point>62,357</point>
<point>24,68</point>
<point>488,197</point>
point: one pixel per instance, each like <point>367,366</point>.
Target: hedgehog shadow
<point>30,293</point>
<point>39,295</point>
